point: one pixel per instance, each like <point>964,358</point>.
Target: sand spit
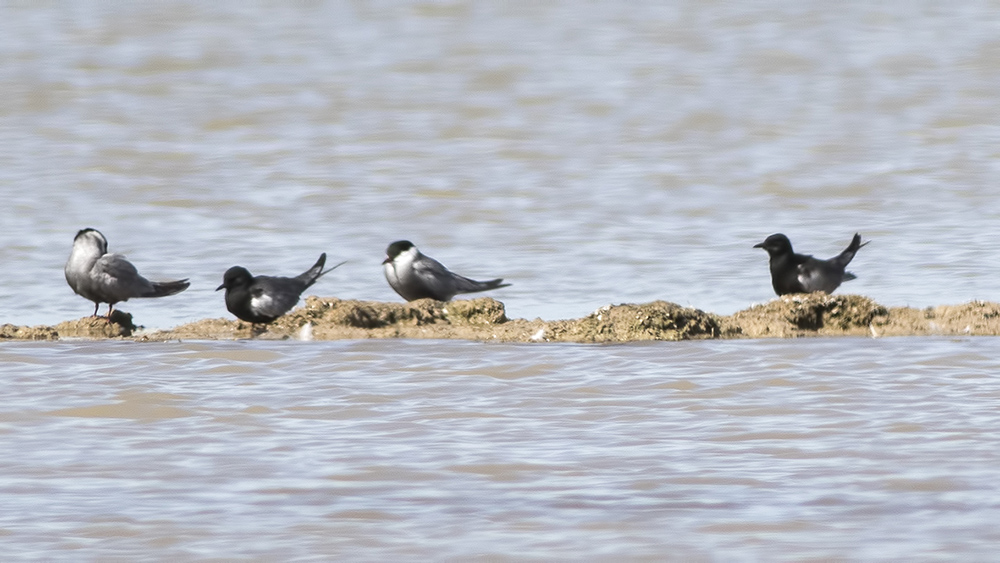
<point>485,319</point>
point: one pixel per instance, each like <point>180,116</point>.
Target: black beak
<point>759,245</point>
<point>387,260</point>
<point>220,287</point>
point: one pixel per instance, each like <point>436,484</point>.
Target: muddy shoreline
<point>485,319</point>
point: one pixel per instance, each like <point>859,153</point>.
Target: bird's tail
<point>163,289</point>
<point>847,255</point>
<point>465,285</point>
<point>310,276</point>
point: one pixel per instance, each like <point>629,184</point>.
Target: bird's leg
<point>111,309</point>
<point>94,319</point>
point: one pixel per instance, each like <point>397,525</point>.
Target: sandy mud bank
<point>485,319</point>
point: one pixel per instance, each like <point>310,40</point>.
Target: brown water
<point>590,153</point>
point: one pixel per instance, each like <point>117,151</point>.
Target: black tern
<point>262,299</point>
<point>109,278</point>
<point>415,276</point>
<point>800,273</point>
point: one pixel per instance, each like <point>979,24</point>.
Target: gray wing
<point>465,285</point>
<point>445,283</point>
<point>115,279</point>
<point>435,278</point>
<point>275,296</point>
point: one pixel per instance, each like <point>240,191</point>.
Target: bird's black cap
<point>775,243</point>
<point>395,249</point>
<point>235,277</point>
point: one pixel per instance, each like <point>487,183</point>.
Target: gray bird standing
<point>415,276</point>
<point>109,278</point>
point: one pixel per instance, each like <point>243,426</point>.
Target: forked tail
<point>310,276</point>
<point>848,254</point>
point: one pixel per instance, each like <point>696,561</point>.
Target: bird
<point>415,276</point>
<point>109,278</point>
<point>801,273</point>
<point>262,299</point>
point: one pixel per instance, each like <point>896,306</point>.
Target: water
<point>565,148</point>
<point>743,450</point>
<point>589,153</point>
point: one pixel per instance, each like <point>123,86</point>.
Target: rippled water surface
<point>590,153</point>
<point>868,449</point>
<point>563,147</point>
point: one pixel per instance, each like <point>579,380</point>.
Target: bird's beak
<point>759,245</point>
<point>387,260</point>
<point>223,286</point>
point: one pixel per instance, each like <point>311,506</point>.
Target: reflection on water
<point>799,449</point>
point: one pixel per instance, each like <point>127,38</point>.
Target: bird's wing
<point>801,258</point>
<point>807,276</point>
<point>466,285</point>
<point>845,257</point>
<point>310,276</point>
<point>116,278</point>
<point>274,296</point>
<point>820,275</point>
<point>437,279</point>
<point>114,266</point>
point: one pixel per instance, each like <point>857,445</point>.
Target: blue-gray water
<point>739,450</point>
<point>590,153</point>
